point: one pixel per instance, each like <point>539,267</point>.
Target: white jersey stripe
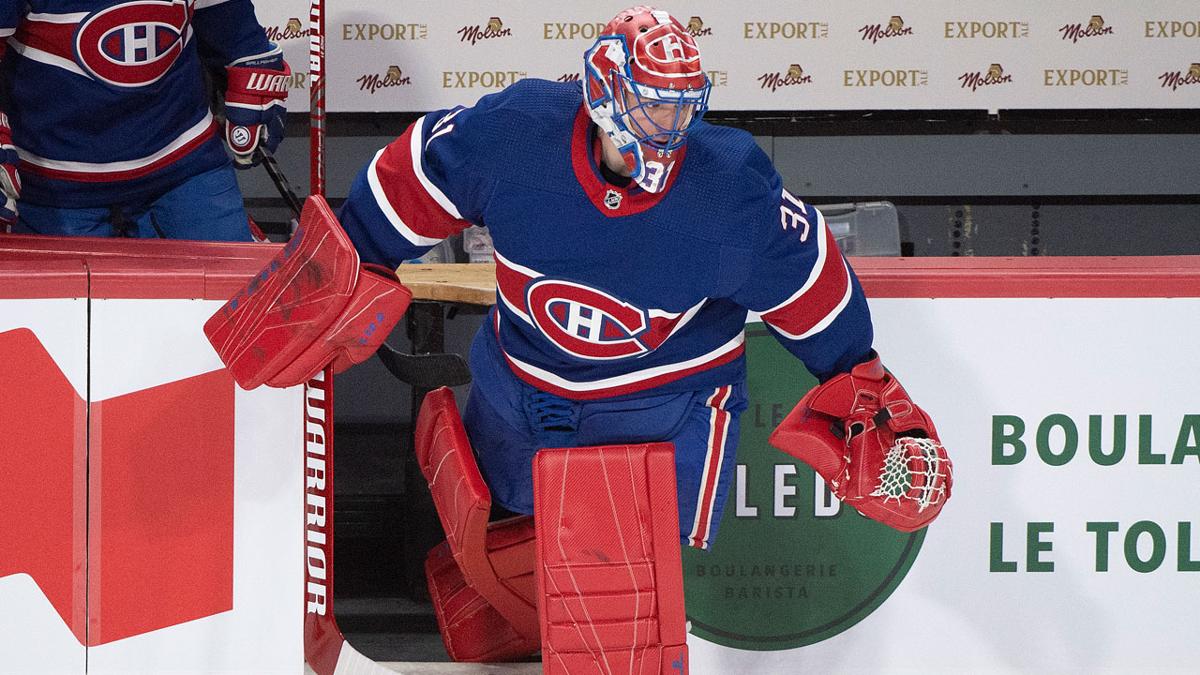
<point>417,151</point>
<point>628,378</point>
<point>817,268</point>
<point>186,137</point>
<point>828,319</point>
<point>72,17</point>
<point>503,262</point>
<point>385,206</point>
<point>519,268</point>
<point>687,316</point>
<point>513,308</point>
<point>45,57</point>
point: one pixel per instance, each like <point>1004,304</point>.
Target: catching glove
<point>874,447</point>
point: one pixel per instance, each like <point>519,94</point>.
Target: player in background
<point>631,240</point>
<point>106,116</point>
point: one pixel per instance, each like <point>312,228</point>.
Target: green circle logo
<point>791,565</point>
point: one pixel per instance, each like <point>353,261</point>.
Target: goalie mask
<point>644,88</point>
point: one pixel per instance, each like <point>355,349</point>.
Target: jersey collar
<point>602,194</point>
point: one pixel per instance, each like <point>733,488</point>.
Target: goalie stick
<point>281,182</point>
<point>424,371</point>
<point>325,648</point>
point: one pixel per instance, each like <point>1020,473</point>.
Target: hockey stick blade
<point>425,371</point>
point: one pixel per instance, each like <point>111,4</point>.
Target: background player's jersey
<point>606,291</point>
<point>107,99</point>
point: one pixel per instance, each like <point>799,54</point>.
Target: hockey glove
<point>312,305</point>
<point>254,109</point>
<point>10,180</point>
<point>874,447</point>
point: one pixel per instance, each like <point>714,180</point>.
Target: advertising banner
<point>1072,540</point>
<point>422,55</point>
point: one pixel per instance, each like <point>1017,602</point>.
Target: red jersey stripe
<point>717,436</point>
<point>825,294</point>
<point>395,172</point>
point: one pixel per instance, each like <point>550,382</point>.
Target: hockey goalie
<point>631,239</point>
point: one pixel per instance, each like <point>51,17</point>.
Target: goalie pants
<point>207,206</point>
<point>508,421</point>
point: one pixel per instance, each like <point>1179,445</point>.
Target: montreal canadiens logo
<point>132,44</point>
<point>661,47</point>
<point>585,322</point>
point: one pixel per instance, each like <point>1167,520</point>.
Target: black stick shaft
<point>281,182</point>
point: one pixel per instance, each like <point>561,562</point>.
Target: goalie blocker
<point>877,450</point>
<point>313,305</point>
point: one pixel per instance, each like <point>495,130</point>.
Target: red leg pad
<point>472,630</point>
<point>608,560</point>
<point>495,560</point>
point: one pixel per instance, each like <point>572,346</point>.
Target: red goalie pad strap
<point>608,560</point>
<point>310,305</point>
<point>497,560</point>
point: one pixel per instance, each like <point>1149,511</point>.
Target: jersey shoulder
<point>728,174</point>
<point>731,154</point>
<point>530,106</point>
<point>517,126</point>
<point>534,96</point>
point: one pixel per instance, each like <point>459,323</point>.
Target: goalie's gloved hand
<point>877,450</point>
<point>254,106</point>
<point>10,180</point>
<point>313,305</point>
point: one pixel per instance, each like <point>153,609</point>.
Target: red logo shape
<point>585,322</point>
<point>133,44</point>
<point>149,474</point>
<point>43,459</point>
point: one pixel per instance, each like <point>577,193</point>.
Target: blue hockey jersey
<point>607,291</point>
<point>106,98</point>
